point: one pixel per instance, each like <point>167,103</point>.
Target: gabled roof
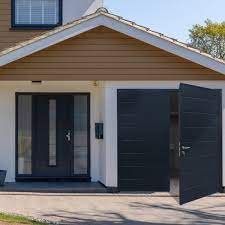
<point>103,18</point>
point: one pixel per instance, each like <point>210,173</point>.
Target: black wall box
<point>99,130</point>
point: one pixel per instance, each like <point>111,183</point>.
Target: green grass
<point>18,219</point>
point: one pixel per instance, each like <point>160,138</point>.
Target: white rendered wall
<point>7,119</point>
<point>7,132</point>
<point>75,9</point>
<point>102,154</point>
<point>110,140</point>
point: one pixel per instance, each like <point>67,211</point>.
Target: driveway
<point>109,209</point>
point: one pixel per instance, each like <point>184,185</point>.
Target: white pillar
<point>110,136</point>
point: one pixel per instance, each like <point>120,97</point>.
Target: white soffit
<point>116,23</point>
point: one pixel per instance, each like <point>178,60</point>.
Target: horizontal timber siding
<point>8,36</point>
<point>103,54</point>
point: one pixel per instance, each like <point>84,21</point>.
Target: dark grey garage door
<point>200,138</point>
<point>143,140</point>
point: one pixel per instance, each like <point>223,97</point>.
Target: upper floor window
<point>37,13</point>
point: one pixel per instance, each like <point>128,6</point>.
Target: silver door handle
<point>68,135</point>
<point>185,147</point>
<point>182,150</point>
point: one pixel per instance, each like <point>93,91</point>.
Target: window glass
<point>52,132</point>
<point>24,134</point>
<point>36,12</point>
<point>80,134</point>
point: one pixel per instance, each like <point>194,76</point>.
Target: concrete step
<point>54,187</point>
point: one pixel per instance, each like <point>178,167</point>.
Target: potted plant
<point>2,177</point>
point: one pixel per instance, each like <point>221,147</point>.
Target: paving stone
<point>110,209</point>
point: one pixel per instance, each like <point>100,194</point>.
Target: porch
<point>54,187</point>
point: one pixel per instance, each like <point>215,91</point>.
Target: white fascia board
<point>50,40</point>
<point>163,44</point>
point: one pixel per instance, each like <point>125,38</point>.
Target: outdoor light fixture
<point>36,82</point>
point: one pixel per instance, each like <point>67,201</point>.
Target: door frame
<point>31,177</point>
<point>220,149</point>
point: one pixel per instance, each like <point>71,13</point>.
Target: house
<point>88,95</point>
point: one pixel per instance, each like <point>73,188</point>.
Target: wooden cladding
<point>8,36</point>
<point>104,54</point>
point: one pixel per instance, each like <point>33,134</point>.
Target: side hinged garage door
<point>143,140</point>
<point>200,142</point>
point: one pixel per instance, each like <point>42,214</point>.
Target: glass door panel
<point>52,132</point>
<point>80,147</point>
<point>24,134</point>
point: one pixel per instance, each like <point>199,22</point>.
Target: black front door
<point>200,140</point>
<point>53,138</point>
<point>143,140</point>
<point>52,131</point>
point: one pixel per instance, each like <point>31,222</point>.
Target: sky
<point>170,17</point>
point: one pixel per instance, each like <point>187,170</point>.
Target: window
<point>37,13</point>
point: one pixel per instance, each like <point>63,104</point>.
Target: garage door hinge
<point>179,150</point>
